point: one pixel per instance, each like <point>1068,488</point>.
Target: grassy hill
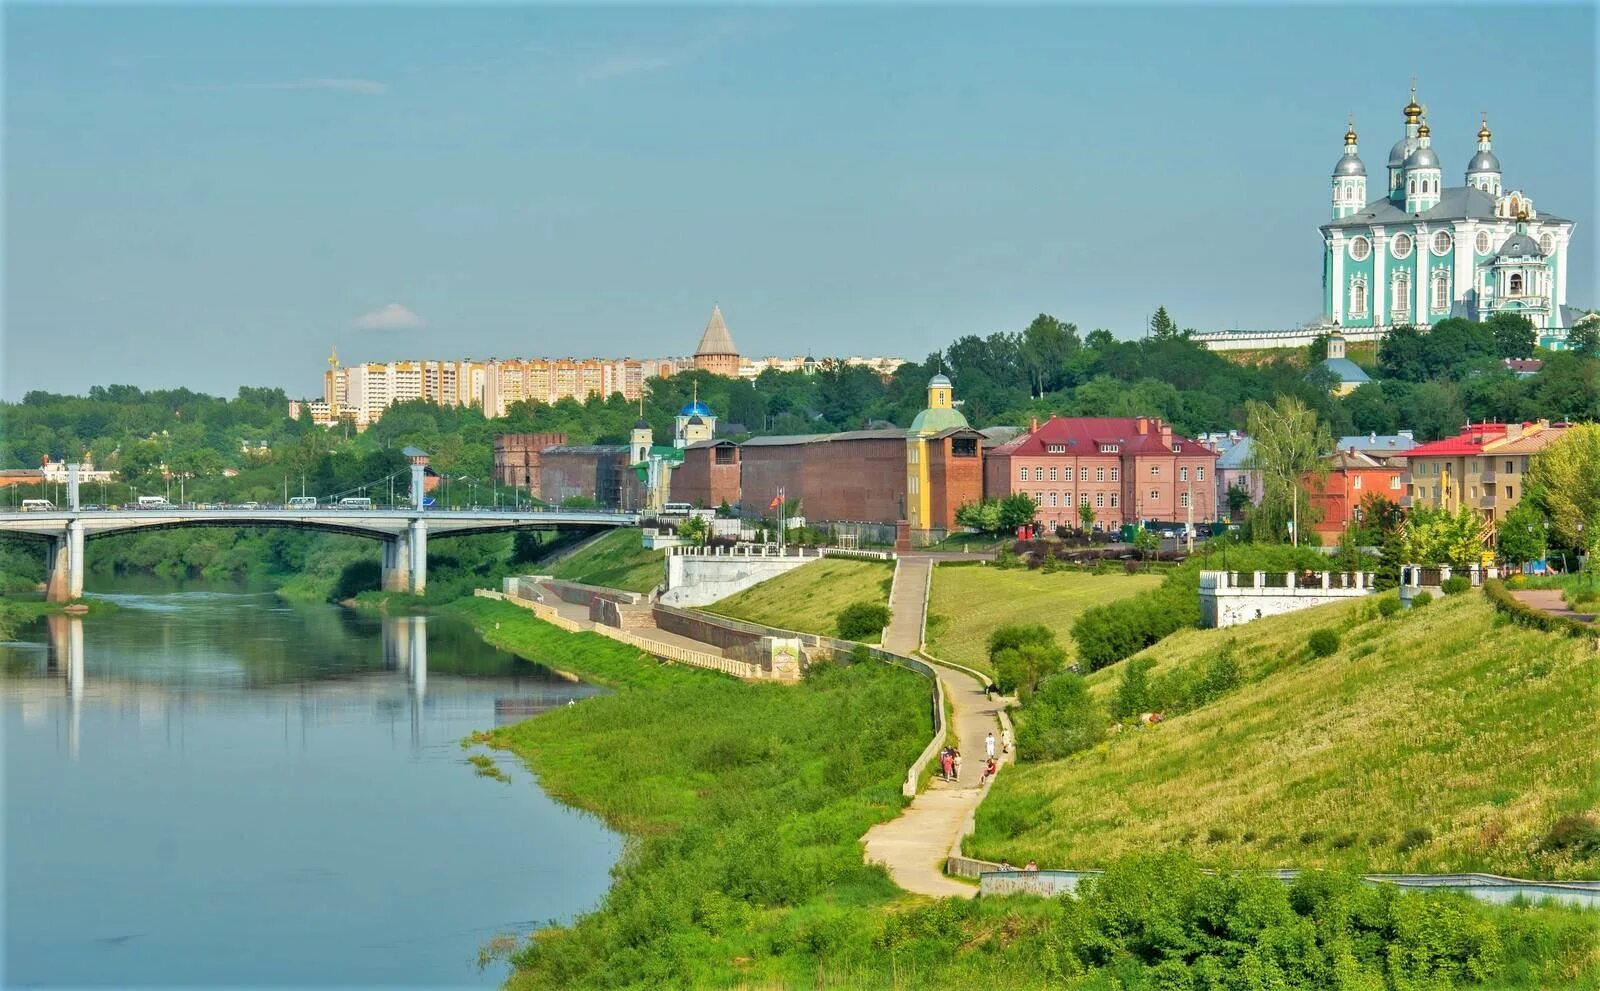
<point>1439,739</point>
<point>808,598</point>
<point>617,559</point>
<point>968,602</point>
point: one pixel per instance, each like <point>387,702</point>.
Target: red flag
<point>777,500</point>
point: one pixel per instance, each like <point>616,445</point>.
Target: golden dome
<point>1423,131</point>
<point>1483,132</point>
<point>1350,133</point>
<point>1413,112</point>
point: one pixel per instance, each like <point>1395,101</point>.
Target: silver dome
<point>1484,161</point>
<point>1520,245</point>
<point>1397,154</point>
<point>1350,165</point>
<point>938,380</point>
<point>1422,158</point>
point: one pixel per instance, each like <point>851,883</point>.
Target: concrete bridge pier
<point>419,557</point>
<point>397,562</point>
<point>64,565</point>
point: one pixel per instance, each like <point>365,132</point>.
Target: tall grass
<point>810,598</point>
<point>1441,739</point>
<point>746,804</point>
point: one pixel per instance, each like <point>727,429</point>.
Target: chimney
<point>1373,438</point>
<point>1513,431</point>
<point>1406,434</point>
<point>1142,425</point>
<point>1033,425</point>
<point>1166,433</point>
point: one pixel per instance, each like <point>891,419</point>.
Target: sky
<point>214,196</point>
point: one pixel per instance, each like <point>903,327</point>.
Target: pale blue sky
<point>212,196</point>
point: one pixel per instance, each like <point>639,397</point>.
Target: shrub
<point>1455,585</point>
<point>1414,837</point>
<point>1421,599</point>
<point>1019,669</point>
<point>1526,615</point>
<point>861,620</point>
<point>1575,831</point>
<point>1388,607</point>
<point>365,575</point>
<point>1133,691</point>
<point>1060,719</point>
<point>1323,642</point>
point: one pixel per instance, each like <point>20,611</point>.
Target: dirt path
<point>914,846</point>
<point>1551,601</point>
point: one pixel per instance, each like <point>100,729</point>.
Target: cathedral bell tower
<point>1349,178</point>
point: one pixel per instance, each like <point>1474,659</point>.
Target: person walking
<point>1005,738</point>
<point>957,762</point>
<point>988,745</point>
<point>945,762</point>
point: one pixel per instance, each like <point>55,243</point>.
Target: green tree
<point>1584,339</point>
<point>1563,477</point>
<point>1162,326</point>
<point>1514,335</point>
<point>1086,515</point>
<point>1287,444</point>
<point>1017,510</point>
<point>694,530</point>
<point>1522,533</point>
<point>1146,543</point>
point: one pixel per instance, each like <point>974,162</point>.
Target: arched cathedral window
<point>1400,297</point>
<point>1514,286</point>
<point>1358,297</point>
<point>1441,292</point>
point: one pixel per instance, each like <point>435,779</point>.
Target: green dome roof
<point>932,421</point>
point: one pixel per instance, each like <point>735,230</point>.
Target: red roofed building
<point>1351,475</point>
<point>1482,467</point>
<point>1124,468</point>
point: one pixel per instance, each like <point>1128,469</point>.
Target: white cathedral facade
<point>1414,251</point>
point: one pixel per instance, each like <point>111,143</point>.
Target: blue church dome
<point>695,408</point>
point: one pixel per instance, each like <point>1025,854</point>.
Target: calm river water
<point>211,787</point>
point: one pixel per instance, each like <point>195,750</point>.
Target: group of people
<point>950,763</point>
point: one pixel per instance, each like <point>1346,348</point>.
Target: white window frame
<point>1360,248</point>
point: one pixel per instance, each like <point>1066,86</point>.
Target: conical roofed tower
<point>716,353</point>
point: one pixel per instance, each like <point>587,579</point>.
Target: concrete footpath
<point>1551,600</point>
<point>914,846</point>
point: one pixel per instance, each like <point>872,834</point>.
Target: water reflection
<point>225,772</point>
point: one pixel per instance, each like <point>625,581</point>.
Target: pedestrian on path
<point>945,762</point>
<point>988,745</point>
<point>1005,738</point>
<point>956,760</point>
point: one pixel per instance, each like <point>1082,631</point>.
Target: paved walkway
<point>914,846</point>
<point>1550,600</point>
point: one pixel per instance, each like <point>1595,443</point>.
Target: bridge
<point>403,530</point>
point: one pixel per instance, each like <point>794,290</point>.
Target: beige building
<point>1481,468</point>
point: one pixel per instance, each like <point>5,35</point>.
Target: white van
<point>355,502</point>
<point>676,509</point>
<point>303,502</point>
<point>38,506</point>
<point>153,502</point>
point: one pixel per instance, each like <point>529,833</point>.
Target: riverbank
<point>747,802</point>
<point>15,612</point>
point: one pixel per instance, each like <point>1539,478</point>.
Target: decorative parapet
<point>1232,598</point>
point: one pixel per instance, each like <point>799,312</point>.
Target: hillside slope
<point>1437,740</point>
<point>618,559</point>
<point>808,598</point>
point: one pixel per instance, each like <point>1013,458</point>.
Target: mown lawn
<point>1440,739</point>
<point>617,560</point>
<point>969,601</point>
<point>808,598</point>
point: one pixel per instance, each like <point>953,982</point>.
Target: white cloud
<point>391,317</point>
<point>711,36</point>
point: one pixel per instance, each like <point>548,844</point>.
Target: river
<point>209,786</point>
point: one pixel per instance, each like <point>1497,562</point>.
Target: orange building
<point>1351,476</point>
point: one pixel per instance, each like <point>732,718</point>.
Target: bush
<point>1022,654</point>
<point>1414,837</point>
<point>1455,585</point>
<point>1323,642</point>
<point>1519,612</point>
<point>365,575</point>
<point>861,620</point>
<point>1133,694</point>
<point>1421,599</point>
<point>1060,719</point>
<point>1388,607</point>
<point>1575,831</point>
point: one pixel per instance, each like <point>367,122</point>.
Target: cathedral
<point>1416,251</point>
